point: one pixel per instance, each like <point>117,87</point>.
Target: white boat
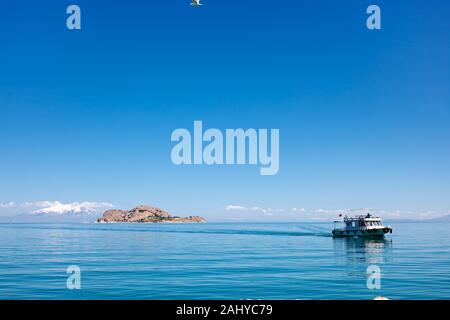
<point>360,226</point>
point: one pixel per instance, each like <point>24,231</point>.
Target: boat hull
<point>379,232</point>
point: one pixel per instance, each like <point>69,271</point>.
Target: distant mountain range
<point>90,216</point>
<point>81,215</point>
<point>445,218</point>
<point>53,217</point>
<point>442,219</point>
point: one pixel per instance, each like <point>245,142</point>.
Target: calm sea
<point>221,261</point>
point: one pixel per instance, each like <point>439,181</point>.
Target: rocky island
<point>144,214</point>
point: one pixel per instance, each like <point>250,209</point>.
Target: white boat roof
<point>365,218</point>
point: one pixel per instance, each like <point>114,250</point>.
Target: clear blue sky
<point>363,115</point>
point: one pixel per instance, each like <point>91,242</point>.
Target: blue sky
<point>363,115</point>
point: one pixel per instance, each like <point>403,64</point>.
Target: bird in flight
<point>196,3</point>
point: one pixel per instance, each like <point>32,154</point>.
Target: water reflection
<point>363,250</point>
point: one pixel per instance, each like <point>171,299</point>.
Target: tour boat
<point>360,226</point>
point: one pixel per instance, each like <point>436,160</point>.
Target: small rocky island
<point>144,214</point>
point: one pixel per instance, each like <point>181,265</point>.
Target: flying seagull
<point>196,3</point>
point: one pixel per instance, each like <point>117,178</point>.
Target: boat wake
<point>256,232</point>
<point>289,231</point>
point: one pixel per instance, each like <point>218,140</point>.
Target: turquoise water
<point>221,261</point>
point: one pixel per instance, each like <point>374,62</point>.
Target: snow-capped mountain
<point>58,212</point>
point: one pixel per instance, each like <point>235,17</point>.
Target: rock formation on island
<point>142,214</point>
